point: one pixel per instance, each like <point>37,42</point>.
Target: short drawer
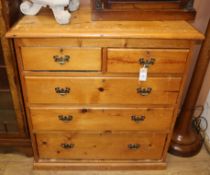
<point>66,59</point>
<point>97,90</point>
<point>157,60</point>
<point>127,146</point>
<point>101,119</point>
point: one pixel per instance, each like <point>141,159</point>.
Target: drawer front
<point>63,119</point>
<point>157,61</point>
<point>66,59</point>
<point>101,146</point>
<point>96,90</point>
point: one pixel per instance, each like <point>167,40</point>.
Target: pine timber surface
<point>44,25</point>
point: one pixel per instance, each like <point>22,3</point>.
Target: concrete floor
<point>14,164</point>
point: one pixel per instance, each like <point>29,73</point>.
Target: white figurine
<point>62,16</point>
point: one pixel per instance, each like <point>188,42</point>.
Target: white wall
<point>206,113</point>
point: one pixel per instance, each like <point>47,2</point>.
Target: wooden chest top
<point>45,26</point>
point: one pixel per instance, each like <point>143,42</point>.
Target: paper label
<point>143,74</point>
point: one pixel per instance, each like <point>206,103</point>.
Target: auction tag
<point>143,74</point>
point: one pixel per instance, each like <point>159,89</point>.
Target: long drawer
<point>157,60</point>
<point>97,90</point>
<point>101,119</point>
<point>66,59</point>
<point>128,146</point>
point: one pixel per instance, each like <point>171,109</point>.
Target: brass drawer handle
<point>65,118</point>
<point>67,146</point>
<point>147,63</point>
<point>62,91</point>
<point>61,59</point>
<point>138,119</point>
<point>134,146</point>
<point>144,91</point>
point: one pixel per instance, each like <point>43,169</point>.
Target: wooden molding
<point>142,10</point>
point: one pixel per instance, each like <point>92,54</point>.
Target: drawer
<point>66,59</point>
<point>97,90</point>
<point>101,119</point>
<point>101,146</point>
<point>157,60</point>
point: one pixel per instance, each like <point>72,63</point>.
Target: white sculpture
<point>62,16</point>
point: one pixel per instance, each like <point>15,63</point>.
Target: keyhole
<point>61,50</point>
<point>101,89</point>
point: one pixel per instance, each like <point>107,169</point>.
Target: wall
<point>201,22</point>
<point>207,110</point>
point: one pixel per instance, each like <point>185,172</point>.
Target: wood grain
<point>80,59</point>
<point>101,119</point>
<point>98,90</point>
<point>186,141</point>
<point>104,42</point>
<point>127,60</point>
<point>114,10</point>
<point>101,103</point>
<point>82,26</point>
<point>3,79</point>
<point>9,14</point>
<point>108,166</point>
<point>101,146</point>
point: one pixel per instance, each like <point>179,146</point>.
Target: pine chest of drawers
<point>85,104</point>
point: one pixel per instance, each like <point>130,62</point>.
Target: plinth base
<point>186,150</point>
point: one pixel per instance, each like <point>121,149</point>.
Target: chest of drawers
<point>86,107</point>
